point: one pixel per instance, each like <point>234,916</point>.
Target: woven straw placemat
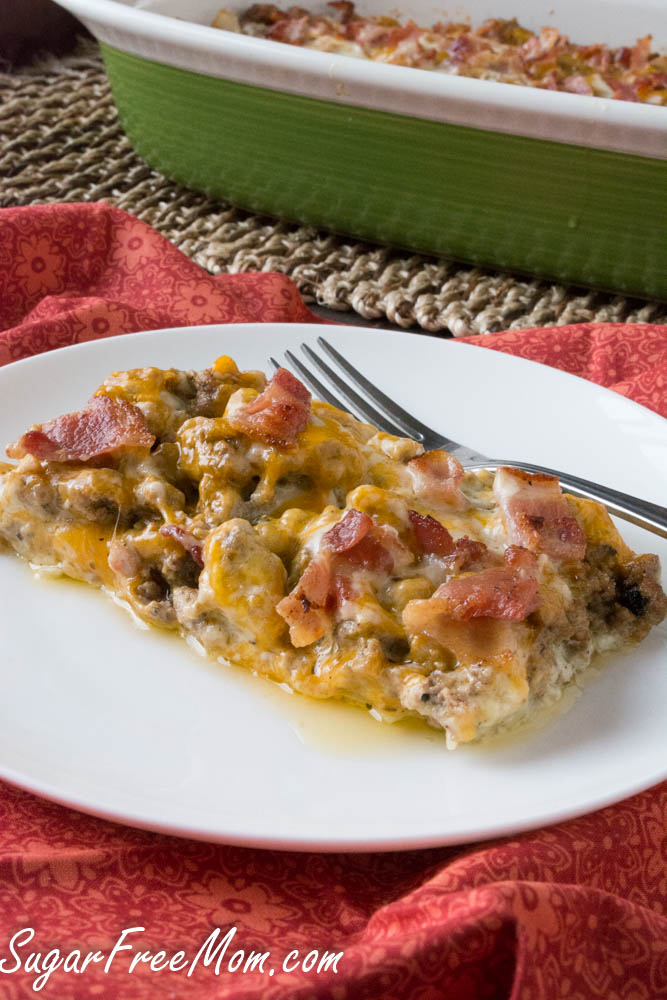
<point>60,140</point>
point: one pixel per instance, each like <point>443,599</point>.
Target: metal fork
<point>392,418</point>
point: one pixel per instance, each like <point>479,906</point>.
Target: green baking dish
<point>339,146</point>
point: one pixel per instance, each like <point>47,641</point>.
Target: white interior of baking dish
<point>177,33</point>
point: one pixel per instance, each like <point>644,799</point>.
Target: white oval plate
<point>132,726</point>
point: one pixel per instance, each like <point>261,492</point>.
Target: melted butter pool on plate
<point>336,728</point>
<point>340,729</point>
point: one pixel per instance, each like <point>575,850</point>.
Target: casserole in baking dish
<point>499,49</point>
<point>562,185</point>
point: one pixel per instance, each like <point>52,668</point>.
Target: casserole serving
<point>279,533</point>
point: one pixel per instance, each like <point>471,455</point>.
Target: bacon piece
<point>315,582</point>
<point>519,558</point>
<point>354,543</point>
<point>537,515</point>
<point>279,414</point>
<point>262,13</point>
<point>342,589</point>
<point>540,45</point>
<point>622,56</point>
<point>370,554</point>
<point>506,593</point>
<point>623,91</point>
<point>401,33</point>
<point>500,592</point>
<point>361,543</point>
<point>184,538</point>
<point>466,554</point>
<point>598,56</point>
<point>345,9</point>
<point>348,532</point>
<point>640,53</point>
<point>289,30</point>
<point>432,537</point>
<point>368,34</point>
<point>105,427</point>
<point>461,48</point>
<point>316,601</point>
<point>577,84</point>
<point>358,541</point>
<point>304,609</point>
<point>437,476</point>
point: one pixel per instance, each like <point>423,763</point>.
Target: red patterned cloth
<point>70,273</point>
<point>576,911</point>
<point>630,358</point>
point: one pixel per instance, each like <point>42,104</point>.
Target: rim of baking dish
<point>618,126</point>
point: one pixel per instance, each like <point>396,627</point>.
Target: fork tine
<point>409,424</point>
<point>357,402</point>
<point>314,383</point>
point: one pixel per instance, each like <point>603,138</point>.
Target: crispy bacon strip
<point>519,558</point>
<point>354,543</point>
<point>467,554</point>
<point>537,515</point>
<point>370,553</point>
<point>345,9</point>
<point>506,593</point>
<point>348,532</point>
<point>432,537</point>
<point>342,589</point>
<point>315,582</point>
<point>437,476</point>
<point>358,542</point>
<point>290,30</point>
<point>304,608</point>
<point>279,414</point>
<point>577,84</point>
<point>498,592</point>
<point>640,52</point>
<point>262,13</point>
<point>539,45</point>
<point>315,601</point>
<point>105,427</point>
<point>184,538</point>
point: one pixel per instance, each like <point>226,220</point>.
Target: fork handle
<point>647,515</point>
